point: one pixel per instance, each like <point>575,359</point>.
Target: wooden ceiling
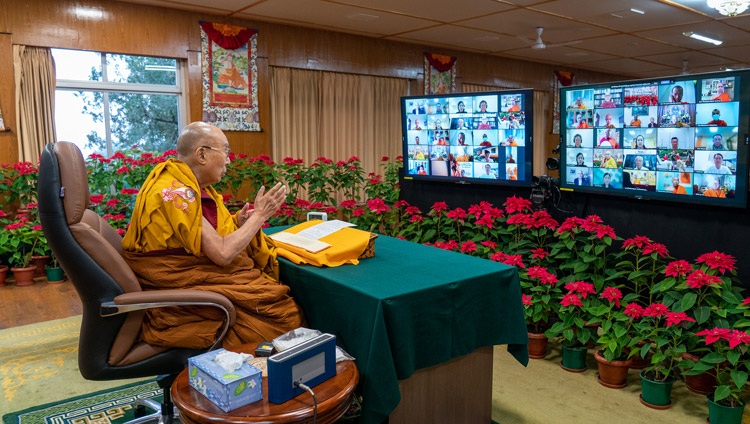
<point>600,35</point>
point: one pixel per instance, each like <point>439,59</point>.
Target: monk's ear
<point>199,155</point>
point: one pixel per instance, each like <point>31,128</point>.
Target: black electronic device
<point>673,138</point>
<point>483,138</point>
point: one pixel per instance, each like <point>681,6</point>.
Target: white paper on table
<point>325,228</point>
<point>303,242</point>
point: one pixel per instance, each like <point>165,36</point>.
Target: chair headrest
<point>74,180</point>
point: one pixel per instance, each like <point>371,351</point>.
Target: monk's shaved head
<point>194,135</point>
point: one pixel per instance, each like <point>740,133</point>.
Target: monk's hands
<point>266,203</point>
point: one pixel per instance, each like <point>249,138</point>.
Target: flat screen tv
<point>682,138</point>
<point>483,138</point>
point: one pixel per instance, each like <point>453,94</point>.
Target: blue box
<point>227,390</point>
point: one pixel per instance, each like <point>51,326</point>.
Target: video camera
<point>542,188</point>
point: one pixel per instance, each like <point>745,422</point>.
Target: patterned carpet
<point>39,365</point>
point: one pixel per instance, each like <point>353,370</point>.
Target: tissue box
<point>227,390</point>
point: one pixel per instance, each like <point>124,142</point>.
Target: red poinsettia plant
<point>617,324</point>
<point>541,295</point>
<point>662,331</point>
<point>576,325</point>
<point>729,359</point>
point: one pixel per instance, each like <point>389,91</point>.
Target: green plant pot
<point>720,414</point>
<point>54,275</point>
<point>656,394</point>
<point>574,358</point>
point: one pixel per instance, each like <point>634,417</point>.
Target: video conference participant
<point>607,178</point>
<point>713,187</point>
<point>718,166</point>
<point>580,138</point>
<point>484,140</point>
<point>609,139</point>
<point>488,172</point>
<point>182,235</point>
<point>680,92</point>
<point>607,160</point>
<point>461,138</point>
<point>716,119</point>
<point>676,187</point>
<point>721,95</point>
<point>607,102</point>
<point>717,142</point>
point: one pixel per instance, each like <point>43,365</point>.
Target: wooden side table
<point>334,397</point>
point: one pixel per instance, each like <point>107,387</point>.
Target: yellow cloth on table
<point>347,244</point>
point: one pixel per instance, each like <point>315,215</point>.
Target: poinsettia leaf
<point>739,378</point>
<point>687,302</point>
<point>721,392</point>
<point>620,331</point>
<point>713,358</point>
<point>702,314</point>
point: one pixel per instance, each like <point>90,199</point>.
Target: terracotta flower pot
<point>537,345</point>
<point>702,384</point>
<point>3,274</point>
<point>24,276</point>
<point>40,262</point>
<point>612,374</point>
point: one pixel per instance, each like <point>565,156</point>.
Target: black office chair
<point>114,305</point>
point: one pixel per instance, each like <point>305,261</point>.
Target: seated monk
<point>182,236</point>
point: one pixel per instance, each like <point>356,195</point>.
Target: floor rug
<point>39,365</point>
<point>110,406</point>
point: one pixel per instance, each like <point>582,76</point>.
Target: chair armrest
<point>137,301</point>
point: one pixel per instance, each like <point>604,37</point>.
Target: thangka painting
<point>439,74</point>
<point>230,77</point>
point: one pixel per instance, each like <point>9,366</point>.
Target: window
<point>107,102</point>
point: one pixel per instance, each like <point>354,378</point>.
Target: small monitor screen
<point>469,137</point>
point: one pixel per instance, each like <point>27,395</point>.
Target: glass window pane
<point>73,123</point>
<point>146,121</point>
<point>77,65</point>
<point>141,69</point>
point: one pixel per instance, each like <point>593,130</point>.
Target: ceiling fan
<point>539,44</point>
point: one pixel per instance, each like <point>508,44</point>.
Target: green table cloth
<point>411,306</point>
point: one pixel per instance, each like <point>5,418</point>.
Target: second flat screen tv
<point>681,139</point>
<point>483,138</point>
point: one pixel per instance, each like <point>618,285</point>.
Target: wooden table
<point>333,395</point>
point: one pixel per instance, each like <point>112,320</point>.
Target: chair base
<point>155,417</point>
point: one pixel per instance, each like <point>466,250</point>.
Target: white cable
<point>315,400</point>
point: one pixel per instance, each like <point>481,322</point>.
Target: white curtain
<point>35,81</point>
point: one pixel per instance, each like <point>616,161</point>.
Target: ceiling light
<point>729,7</point>
<point>702,38</point>
<point>638,11</point>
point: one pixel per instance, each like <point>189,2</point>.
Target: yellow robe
<point>168,216</point>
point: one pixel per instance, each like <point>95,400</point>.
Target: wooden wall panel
<point>145,30</point>
<point>8,139</point>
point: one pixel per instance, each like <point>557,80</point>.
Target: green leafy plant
<point>21,240</point>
